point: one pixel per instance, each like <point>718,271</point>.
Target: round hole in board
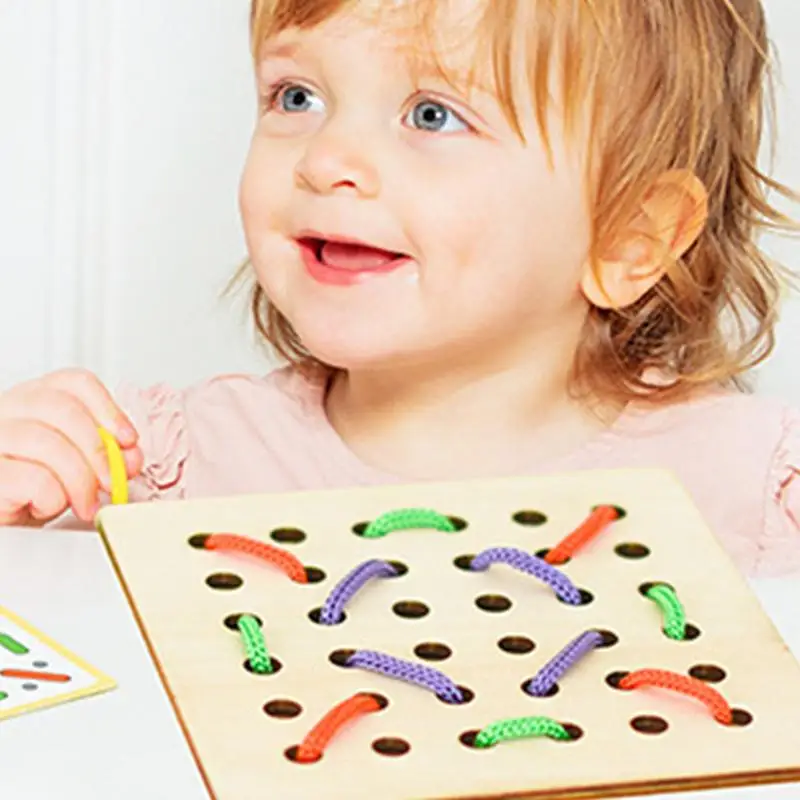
<point>691,632</point>
<point>391,746</point>
<point>291,754</point>
<point>232,621</point>
<point>30,687</point>
<point>458,523</point>
<point>645,587</point>
<point>464,562</point>
<point>467,696</point>
<point>621,512</point>
<point>40,664</point>
<point>433,651</point>
<point>632,550</point>
<point>740,717</point>
<point>613,679</point>
<point>493,603</point>
<point>360,528</point>
<point>551,692</point>
<point>410,609</point>
<point>586,598</point>
<point>198,540</point>
<point>543,554</point>
<point>283,709</point>
<point>531,518</point>
<point>647,723</point>
<point>341,657</point>
<point>277,666</point>
<point>315,614</point>
<point>224,581</point>
<point>516,645</point>
<point>314,575</point>
<point>609,638</point>
<point>288,535</point>
<point>708,673</point>
<point>399,567</point>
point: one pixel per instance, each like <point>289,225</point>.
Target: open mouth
<point>350,256</point>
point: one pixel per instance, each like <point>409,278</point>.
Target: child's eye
<point>290,98</point>
<point>436,118</point>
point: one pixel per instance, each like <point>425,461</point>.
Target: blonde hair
<point>672,84</point>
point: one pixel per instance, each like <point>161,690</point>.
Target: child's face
<point>354,146</point>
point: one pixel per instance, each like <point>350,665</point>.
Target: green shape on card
<point>12,645</point>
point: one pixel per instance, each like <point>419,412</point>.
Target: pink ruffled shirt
<point>738,455</point>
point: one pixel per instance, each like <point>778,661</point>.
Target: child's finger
<point>88,388</point>
<point>67,414</point>
<point>29,492</point>
<point>31,441</point>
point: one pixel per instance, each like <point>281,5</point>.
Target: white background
<point>124,128</point>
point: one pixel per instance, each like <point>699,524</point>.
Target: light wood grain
<point>240,749</point>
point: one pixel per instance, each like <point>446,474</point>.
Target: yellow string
<point>116,466</point>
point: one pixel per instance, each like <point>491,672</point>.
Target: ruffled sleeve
<point>779,549</point>
<point>158,414</point>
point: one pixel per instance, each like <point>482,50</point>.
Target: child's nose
<point>334,162</point>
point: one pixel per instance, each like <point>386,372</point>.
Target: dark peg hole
<point>575,732</point>
<point>621,512</point>
<point>288,535</point>
<point>360,528</point>
<point>740,717</point>
<point>316,613</point>
<point>391,746</point>
<point>468,738</point>
<point>340,657</point>
<point>314,575</point>
<point>433,651</point>
<point>691,632</point>
<point>467,696</point>
<point>551,692</point>
<point>410,609</point>
<point>399,567</point>
<point>464,562</point>
<point>494,603</point>
<point>276,667</point>
<point>632,550</point>
<point>224,580</point>
<point>644,588</point>
<point>232,621</point>
<point>543,554</point>
<point>649,724</point>
<point>458,523</point>
<point>532,518</point>
<point>586,598</point>
<point>708,673</point>
<point>283,709</point>
<point>609,638</point>
<point>613,679</point>
<point>291,754</point>
<point>517,645</point>
<point>382,701</point>
<point>198,540</point>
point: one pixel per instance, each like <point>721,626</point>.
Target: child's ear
<point>668,222</point>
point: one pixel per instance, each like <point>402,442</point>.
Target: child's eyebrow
<point>278,49</point>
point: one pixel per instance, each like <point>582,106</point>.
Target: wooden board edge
<point>156,662</point>
<point>642,788</point>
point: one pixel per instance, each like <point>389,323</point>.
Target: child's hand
<point>51,455</point>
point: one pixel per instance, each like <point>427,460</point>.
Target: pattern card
<point>37,672</point>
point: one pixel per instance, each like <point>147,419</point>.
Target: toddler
<point>487,237</point>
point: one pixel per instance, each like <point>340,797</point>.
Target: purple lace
<point>533,565</point>
<point>331,612</point>
<point>427,677</point>
<point>548,675</point>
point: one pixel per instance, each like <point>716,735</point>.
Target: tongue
<point>354,257</point>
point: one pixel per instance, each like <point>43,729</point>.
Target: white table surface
<point>125,744</point>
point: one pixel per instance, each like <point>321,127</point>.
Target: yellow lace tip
<point>116,465</point>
